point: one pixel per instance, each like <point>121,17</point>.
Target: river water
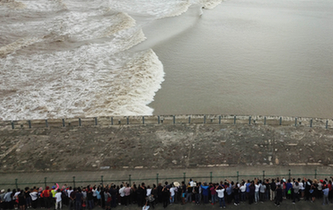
<point>78,58</point>
<point>247,57</point>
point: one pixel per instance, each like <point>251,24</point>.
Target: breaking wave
<point>63,59</point>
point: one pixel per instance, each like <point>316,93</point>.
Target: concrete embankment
<point>210,141</point>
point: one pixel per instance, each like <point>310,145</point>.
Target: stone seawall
<point>203,142</point>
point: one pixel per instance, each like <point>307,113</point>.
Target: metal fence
<point>169,119</point>
<point>236,177</point>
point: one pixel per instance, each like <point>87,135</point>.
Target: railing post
<point>280,120</point>
<point>127,120</point>
<point>295,121</point>
<point>158,119</point>
<point>130,179</point>
<point>111,120</point>
<point>265,121</point>
<point>184,177</point>
<point>74,181</point>
<point>29,122</point>
<point>80,122</point>
<point>157,179</point>
<point>249,120</point>
<point>263,175</point>
<point>63,122</point>
<point>220,119</point>
<point>16,184</point>
<point>237,176</point>
<point>315,173</point>
<point>311,123</point>
<point>143,119</point>
<point>235,120</point>
<point>211,177</point>
<point>95,120</point>
<point>46,123</point>
<point>326,124</point>
<point>174,119</point>
<point>189,119</point>
<point>289,174</point>
<point>102,181</point>
<point>45,183</point>
<point>204,119</point>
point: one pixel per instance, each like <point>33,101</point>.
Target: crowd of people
<point>109,196</point>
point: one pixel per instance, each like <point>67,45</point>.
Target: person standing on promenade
<point>172,194</point>
<point>47,197</point>
<point>220,194</point>
<point>272,190</point>
<point>127,192</point>
<point>78,199</point>
<point>325,195</point>
<point>183,190</point>
<point>71,204</point>
<point>122,194</point>
<point>165,196</point>
<point>248,183</point>
<point>34,197</point>
<point>113,193</point>
<point>213,194</point>
<point>205,192</point>
<point>262,191</point>
<point>58,200</point>
<point>2,195</point>
<point>8,200</point>
<point>251,193</point>
<point>236,192</point>
<point>243,191</point>
<point>90,199</point>
<point>278,197</point>
<point>295,192</point>
<point>189,190</point>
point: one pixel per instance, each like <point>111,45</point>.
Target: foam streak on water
<point>70,58</point>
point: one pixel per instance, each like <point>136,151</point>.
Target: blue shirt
<point>326,191</point>
<point>248,187</point>
<point>204,190</point>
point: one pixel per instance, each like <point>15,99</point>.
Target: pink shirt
<point>127,191</point>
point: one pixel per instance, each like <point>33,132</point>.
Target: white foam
<point>70,58</point>
<point>18,44</point>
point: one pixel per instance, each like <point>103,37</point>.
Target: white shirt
<point>220,193</point>
<point>16,194</point>
<point>148,192</point>
<point>69,192</point>
<point>33,196</point>
<point>172,191</point>
<point>58,196</point>
<point>243,188</point>
<point>301,187</point>
<point>257,187</point>
<point>121,192</point>
<point>263,188</point>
